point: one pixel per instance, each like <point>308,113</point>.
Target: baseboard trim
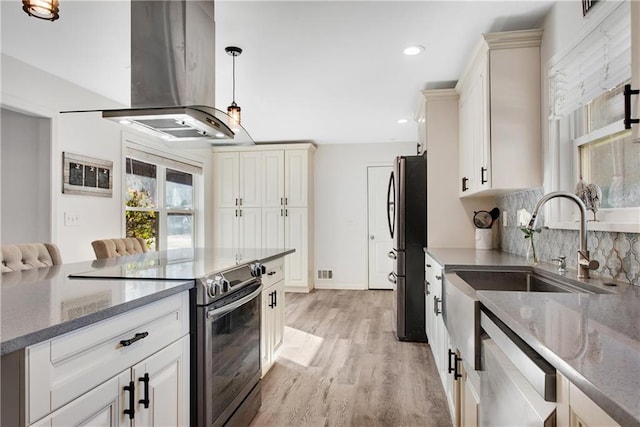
<point>297,289</point>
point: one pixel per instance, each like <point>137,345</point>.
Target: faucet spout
<point>584,263</point>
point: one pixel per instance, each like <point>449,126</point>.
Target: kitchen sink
<point>522,281</point>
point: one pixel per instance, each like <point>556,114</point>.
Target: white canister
<point>484,238</point>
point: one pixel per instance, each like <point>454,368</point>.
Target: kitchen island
<point>592,339</point>
<point>78,339</point>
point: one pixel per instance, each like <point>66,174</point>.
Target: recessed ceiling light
<point>413,50</point>
<point>403,121</point>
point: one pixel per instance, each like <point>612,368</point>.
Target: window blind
<point>599,62</point>
<point>158,159</point>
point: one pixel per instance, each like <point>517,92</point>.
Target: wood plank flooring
<point>341,365</point>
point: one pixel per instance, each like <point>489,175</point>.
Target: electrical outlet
<point>505,221</point>
<point>71,219</point>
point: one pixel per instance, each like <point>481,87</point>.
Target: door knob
<point>372,237</point>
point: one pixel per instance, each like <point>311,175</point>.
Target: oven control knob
<point>214,287</point>
<point>224,285</point>
<point>258,269</point>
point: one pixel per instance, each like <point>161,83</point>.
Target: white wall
<point>340,211</point>
<point>27,89</point>
<point>25,178</point>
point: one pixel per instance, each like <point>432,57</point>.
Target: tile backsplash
<point>617,253</point>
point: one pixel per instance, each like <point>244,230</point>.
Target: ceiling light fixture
<point>41,9</point>
<point>233,110</point>
<point>413,50</point>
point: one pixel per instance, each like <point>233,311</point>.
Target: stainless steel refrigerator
<point>407,217</point>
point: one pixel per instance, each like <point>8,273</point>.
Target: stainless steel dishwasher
<point>518,385</point>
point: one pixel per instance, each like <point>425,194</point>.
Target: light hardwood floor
<point>341,365</point>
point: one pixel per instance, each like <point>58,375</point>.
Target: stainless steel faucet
<point>584,263</point>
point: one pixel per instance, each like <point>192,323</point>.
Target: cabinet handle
<point>145,400</point>
<point>240,201</point>
<point>281,201</point>
<point>236,212</point>
<point>281,212</point>
<point>438,277</point>
<point>426,287</point>
<point>286,201</point>
<point>240,212</point>
<point>428,265</point>
<point>628,121</point>
<point>271,304</point>
<point>136,337</point>
<point>483,171</point>
<point>453,367</point>
<point>436,301</point>
<point>286,212</point>
<point>131,388</point>
<point>464,184</point>
<point>275,298</point>
<point>236,201</point>
<point>271,273</point>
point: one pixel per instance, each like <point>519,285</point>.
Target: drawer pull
<point>271,273</point>
<point>131,388</point>
<point>136,337</point>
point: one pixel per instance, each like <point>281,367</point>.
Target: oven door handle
<point>227,308</point>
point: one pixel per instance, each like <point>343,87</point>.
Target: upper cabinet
<point>238,179</point>
<point>500,146</point>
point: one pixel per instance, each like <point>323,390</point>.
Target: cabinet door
<point>469,401</point>
<point>273,179</point>
<point>250,194</point>
<point>296,178</point>
<point>266,329</point>
<point>250,226</point>
<point>163,380</point>
<point>273,227</point>
<point>296,237</point>
<point>465,148</point>
<point>278,319</point>
<point>100,407</point>
<point>226,222</point>
<point>226,179</point>
<point>635,67</point>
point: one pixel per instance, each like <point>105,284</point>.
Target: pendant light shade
<point>233,110</point>
<point>41,9</point>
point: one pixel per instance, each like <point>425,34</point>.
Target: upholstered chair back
<point>25,256</point>
<point>109,248</point>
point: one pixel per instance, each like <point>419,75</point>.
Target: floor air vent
<point>325,274</point>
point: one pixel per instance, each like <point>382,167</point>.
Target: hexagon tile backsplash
<point>617,253</point>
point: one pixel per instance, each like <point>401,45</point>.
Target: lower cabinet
<point>272,313</point>
<point>575,409</point>
<point>130,369</point>
<point>155,392</point>
<point>469,402</point>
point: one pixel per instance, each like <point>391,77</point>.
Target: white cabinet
<point>575,409</point>
<point>272,313</point>
<point>499,108</point>
<point>79,378</point>
<point>284,216</point>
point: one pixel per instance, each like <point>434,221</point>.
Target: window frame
<point>149,147</point>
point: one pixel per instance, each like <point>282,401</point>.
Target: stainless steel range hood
<point>172,76</point>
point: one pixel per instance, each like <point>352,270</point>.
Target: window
<point>160,202</point>
<point>586,133</point>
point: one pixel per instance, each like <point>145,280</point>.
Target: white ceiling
<point>322,71</point>
<point>334,71</point>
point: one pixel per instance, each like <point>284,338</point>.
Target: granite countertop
<point>36,305</point>
<point>176,264</point>
<point>592,339</point>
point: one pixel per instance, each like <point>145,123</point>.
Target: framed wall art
<point>86,176</point>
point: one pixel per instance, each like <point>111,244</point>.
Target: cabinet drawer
<point>61,369</point>
<point>274,273</point>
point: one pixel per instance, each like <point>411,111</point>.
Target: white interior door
<point>380,242</point>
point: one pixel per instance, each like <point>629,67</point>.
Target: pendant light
<point>41,9</point>
<point>233,110</point>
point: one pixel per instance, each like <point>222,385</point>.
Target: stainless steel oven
<point>228,369</point>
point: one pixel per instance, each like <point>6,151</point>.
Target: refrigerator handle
<point>390,203</point>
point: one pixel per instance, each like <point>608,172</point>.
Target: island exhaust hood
<point>172,76</point>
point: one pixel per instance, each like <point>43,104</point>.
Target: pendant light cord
<point>234,79</point>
